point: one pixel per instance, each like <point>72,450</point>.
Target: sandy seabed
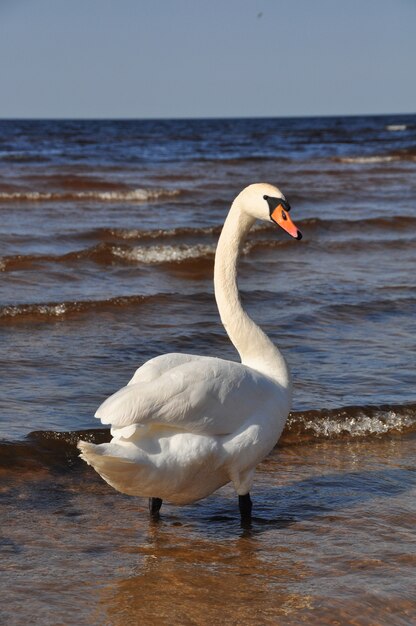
<point>331,542</point>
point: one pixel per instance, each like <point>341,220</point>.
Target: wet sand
<point>331,542</point>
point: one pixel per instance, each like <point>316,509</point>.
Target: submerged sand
<point>331,542</point>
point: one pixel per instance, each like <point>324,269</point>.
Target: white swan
<point>186,425</point>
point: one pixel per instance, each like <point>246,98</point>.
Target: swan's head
<point>267,203</point>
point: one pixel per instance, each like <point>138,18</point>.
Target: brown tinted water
<point>107,238</point>
<point>331,542</point>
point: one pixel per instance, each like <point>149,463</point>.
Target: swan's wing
<point>157,366</point>
<point>202,395</point>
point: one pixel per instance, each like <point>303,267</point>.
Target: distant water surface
<point>108,235</point>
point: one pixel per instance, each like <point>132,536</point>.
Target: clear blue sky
<point>203,58</point>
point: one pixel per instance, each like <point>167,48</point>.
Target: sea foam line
<point>350,422</point>
<point>60,310</point>
<point>370,159</point>
<point>165,254</point>
<point>52,448</point>
<point>396,127</point>
<point>134,195</point>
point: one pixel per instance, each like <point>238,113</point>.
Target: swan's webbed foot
<point>154,507</point>
<point>245,506</point>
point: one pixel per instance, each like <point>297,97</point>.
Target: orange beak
<point>281,217</point>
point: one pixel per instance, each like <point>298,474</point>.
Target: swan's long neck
<point>254,347</point>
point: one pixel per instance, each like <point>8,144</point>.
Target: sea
<point>108,232</point>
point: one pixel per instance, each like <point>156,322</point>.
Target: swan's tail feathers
<point>123,474</point>
<point>86,451</point>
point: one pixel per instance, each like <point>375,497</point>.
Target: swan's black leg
<point>245,505</point>
<point>154,507</point>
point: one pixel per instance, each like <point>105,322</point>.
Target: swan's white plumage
<point>185,424</point>
<point>194,394</point>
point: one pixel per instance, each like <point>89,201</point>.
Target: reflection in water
<point>320,548</point>
<point>186,578</point>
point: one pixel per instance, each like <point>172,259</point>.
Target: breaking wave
<point>108,254</point>
<point>349,423</point>
<point>165,254</point>
<point>398,155</point>
<point>396,127</point>
<point>50,311</point>
<point>369,159</point>
<point>132,195</point>
<point>181,245</point>
<point>54,310</point>
<point>58,449</point>
<point>149,235</point>
<point>310,224</point>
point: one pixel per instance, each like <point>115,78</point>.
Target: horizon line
<point>195,118</point>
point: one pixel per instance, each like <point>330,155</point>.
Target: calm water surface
<point>108,234</point>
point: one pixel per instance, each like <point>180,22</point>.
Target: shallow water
<point>107,244</point>
<point>331,542</point>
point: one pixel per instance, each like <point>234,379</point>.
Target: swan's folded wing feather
<point>204,395</point>
<point>157,366</point>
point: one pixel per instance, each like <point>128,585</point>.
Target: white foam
<point>57,309</point>
<point>396,127</point>
<point>135,233</point>
<point>361,425</point>
<point>369,159</point>
<point>140,195</point>
<point>134,195</point>
<point>165,254</point>
<point>42,309</point>
<point>29,195</point>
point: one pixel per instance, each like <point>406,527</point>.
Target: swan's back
<point>194,394</point>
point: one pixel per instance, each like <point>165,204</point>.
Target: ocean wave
<point>370,309</point>
<point>54,310</point>
<point>165,254</point>
<point>181,232</point>
<point>53,449</point>
<point>108,254</point>
<point>160,233</point>
<point>408,154</point>
<point>19,156</point>
<point>51,311</point>
<point>243,160</point>
<point>350,423</point>
<point>131,195</point>
<point>396,127</point>
<point>74,181</point>
<point>310,224</point>
<point>369,159</point>
<point>364,243</point>
<point>181,245</point>
<point>198,233</point>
